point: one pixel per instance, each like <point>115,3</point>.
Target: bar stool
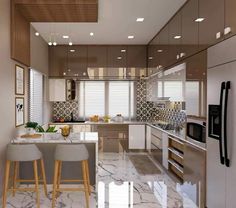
<point>22,153</point>
<point>71,153</point>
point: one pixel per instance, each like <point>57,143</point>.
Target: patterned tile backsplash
<point>145,111</point>
<point>149,111</point>
<point>64,110</point>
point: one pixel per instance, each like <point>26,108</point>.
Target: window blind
<point>36,97</point>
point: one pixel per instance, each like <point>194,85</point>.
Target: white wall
<point>7,81</point>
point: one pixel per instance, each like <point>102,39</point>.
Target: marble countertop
<point>82,137</point>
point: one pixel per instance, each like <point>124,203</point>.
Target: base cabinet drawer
<point>137,137</point>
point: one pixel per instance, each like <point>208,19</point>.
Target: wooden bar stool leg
<point>44,176</point>
<point>85,183</point>
<point>36,183</point>
<point>59,174</point>
<point>5,185</point>
<point>88,176</point>
<point>15,174</point>
<point>55,183</point>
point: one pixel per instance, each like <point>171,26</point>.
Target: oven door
<point>156,148</point>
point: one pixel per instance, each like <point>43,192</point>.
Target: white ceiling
<point>116,20</point>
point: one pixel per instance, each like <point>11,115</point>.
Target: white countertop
<point>82,137</point>
<point>99,123</point>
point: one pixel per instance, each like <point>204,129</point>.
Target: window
<point>174,90</point>
<point>36,97</point>
<point>106,98</point>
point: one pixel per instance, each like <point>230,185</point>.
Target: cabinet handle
<point>227,30</point>
<point>218,35</point>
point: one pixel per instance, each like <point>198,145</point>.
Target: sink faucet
<point>71,117</point>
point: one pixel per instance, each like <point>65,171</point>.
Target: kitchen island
<point>70,170</point>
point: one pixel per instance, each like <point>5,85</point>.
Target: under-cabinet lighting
<point>200,19</point>
<point>50,43</point>
<point>54,43</point>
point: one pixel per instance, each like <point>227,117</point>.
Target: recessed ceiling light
<point>160,50</point>
<point>65,36</point>
<point>140,19</point>
<point>72,50</point>
<point>177,37</point>
<point>50,43</point>
<point>68,70</point>
<point>70,43</point>
<point>150,57</point>
<point>91,34</point>
<point>130,37</point>
<point>123,51</point>
<point>37,33</point>
<point>54,43</point>
<point>200,19</point>
<point>119,57</point>
<point>84,73</point>
<point>64,73</point>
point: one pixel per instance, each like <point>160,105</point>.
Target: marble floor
<point>124,180</point>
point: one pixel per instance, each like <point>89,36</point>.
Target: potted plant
<point>31,127</point>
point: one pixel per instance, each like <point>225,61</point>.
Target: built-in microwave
<point>196,131</point>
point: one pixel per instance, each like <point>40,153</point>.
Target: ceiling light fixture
<point>72,50</point>
<point>130,37</point>
<point>50,43</point>
<point>123,51</point>
<point>65,36</point>
<point>150,57</point>
<point>200,19</point>
<point>70,43</point>
<point>119,57</point>
<point>140,19</point>
<point>37,33</point>
<point>160,51</point>
<point>177,37</point>
<point>91,34</point>
<point>54,43</point>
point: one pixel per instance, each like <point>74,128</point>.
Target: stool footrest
<point>69,180</point>
<point>28,180</point>
<point>70,189</point>
<point>22,189</point>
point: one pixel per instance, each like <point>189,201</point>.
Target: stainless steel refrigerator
<point>221,125</point>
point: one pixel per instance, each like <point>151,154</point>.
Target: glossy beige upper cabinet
<point>116,56</point>
<point>163,47</point>
<point>175,36</point>
<point>97,56</point>
<point>230,19</point>
<point>212,27</point>
<point>77,61</point>
<point>153,56</point>
<point>189,28</point>
<point>58,65</point>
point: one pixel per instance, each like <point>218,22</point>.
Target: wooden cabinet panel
<point>230,20</point>
<point>116,56</point>
<point>77,61</point>
<point>175,36</point>
<point>97,56</point>
<point>137,56</point>
<point>58,64</point>
<point>213,13</point>
<point>189,28</point>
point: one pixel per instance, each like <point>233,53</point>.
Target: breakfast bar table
<point>47,142</point>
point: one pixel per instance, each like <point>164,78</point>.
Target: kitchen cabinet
<point>163,47</point>
<point>211,28</point>
<point>148,138</point>
<point>136,61</point>
<point>230,20</point>
<point>194,180</point>
<point>57,90</point>
<point>189,40</point>
<point>175,36</point>
<point>154,56</point>
<point>165,144</point>
<point>77,61</point>
<point>137,137</point>
<point>58,62</point>
<point>196,85</point>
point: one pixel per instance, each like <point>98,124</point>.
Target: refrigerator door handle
<point>222,159</point>
<point>227,87</point>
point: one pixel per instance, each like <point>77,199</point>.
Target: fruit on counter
<point>65,131</point>
<point>94,118</point>
<point>106,118</point>
<point>62,120</point>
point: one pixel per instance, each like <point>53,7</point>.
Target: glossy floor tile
<point>124,180</point>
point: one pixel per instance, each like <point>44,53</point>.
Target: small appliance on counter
<point>118,118</point>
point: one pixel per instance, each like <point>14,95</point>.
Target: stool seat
<point>26,152</point>
<point>71,152</point>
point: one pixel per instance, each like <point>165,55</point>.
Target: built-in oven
<point>156,145</point>
<point>196,131</point>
